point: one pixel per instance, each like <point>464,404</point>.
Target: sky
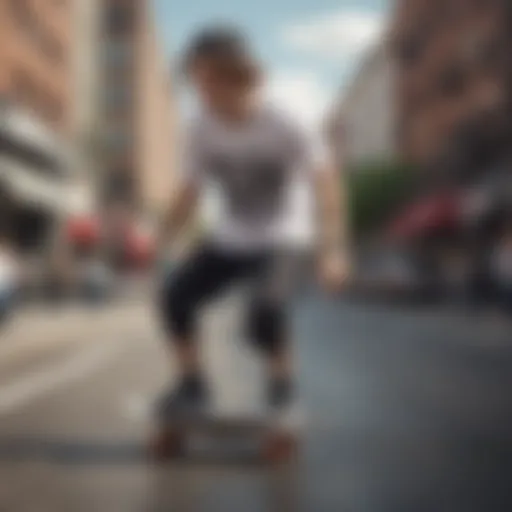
<point>311,47</point>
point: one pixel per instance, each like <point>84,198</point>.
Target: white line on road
<point>84,363</point>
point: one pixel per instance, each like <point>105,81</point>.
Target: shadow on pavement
<point>93,453</point>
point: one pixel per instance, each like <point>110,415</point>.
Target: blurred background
<point>413,100</point>
<point>413,97</point>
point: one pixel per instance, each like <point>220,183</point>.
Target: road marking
<point>84,363</point>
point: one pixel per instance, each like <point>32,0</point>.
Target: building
<point>454,98</point>
<point>85,109</point>
<point>453,84</point>
<point>123,124</point>
<point>34,55</point>
<point>363,123</point>
<point>35,99</point>
<point>135,109</point>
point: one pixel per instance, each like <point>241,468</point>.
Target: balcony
<point>24,138</point>
<point>119,18</point>
<point>118,53</point>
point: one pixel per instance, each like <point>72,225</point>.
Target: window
<point>119,17</point>
<point>32,96</point>
<point>118,97</point>
<point>118,53</point>
<point>21,12</point>
<point>452,80</point>
<point>410,50</point>
<point>26,19</point>
<point>120,185</point>
<point>24,89</point>
<point>118,139</point>
<point>488,53</point>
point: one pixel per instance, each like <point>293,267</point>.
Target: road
<point>408,410</point>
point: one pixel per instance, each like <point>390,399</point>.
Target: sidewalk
<point>37,329</point>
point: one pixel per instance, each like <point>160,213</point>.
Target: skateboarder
<point>262,162</point>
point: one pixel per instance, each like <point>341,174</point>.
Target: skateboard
<point>271,441</point>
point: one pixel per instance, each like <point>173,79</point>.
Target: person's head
<point>222,69</point>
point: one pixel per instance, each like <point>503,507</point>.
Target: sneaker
<point>188,397</point>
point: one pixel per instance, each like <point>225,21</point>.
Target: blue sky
<point>310,46</point>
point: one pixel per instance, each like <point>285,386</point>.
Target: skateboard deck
<point>236,421</point>
<point>253,438</point>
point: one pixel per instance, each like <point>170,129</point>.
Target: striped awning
<point>26,185</point>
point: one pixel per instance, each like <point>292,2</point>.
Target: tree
<point>375,191</point>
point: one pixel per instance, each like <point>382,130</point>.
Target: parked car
<point>394,274</point>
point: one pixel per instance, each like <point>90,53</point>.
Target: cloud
<point>339,35</point>
<point>300,93</point>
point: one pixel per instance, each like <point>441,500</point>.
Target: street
<point>407,410</point>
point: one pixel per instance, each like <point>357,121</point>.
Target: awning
<point>428,215</point>
<point>27,186</point>
<point>20,125</point>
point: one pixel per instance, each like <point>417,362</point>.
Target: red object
<point>427,216</point>
<point>84,230</point>
<point>139,247</point>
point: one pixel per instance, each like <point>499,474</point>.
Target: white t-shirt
<point>260,174</point>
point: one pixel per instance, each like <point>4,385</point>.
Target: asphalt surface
<point>407,410</point>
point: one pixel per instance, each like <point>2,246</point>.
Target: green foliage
<point>375,191</point>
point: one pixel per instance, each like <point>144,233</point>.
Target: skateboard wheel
<point>167,446</point>
<point>280,448</point>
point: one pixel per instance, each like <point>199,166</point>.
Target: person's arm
<point>315,158</point>
<point>182,206</point>
<point>179,213</point>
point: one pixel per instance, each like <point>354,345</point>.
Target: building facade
<point>453,83</point>
<point>35,50</point>
<point>135,113</point>
<point>454,99</point>
<point>85,109</point>
<point>35,100</point>
<point>363,123</point>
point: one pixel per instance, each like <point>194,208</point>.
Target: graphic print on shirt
<point>253,184</point>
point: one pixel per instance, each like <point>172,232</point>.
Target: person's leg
<point>269,322</point>
<point>198,281</point>
<point>269,331</point>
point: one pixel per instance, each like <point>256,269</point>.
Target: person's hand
<point>333,271</point>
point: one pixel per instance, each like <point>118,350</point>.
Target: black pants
<point>272,278</point>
